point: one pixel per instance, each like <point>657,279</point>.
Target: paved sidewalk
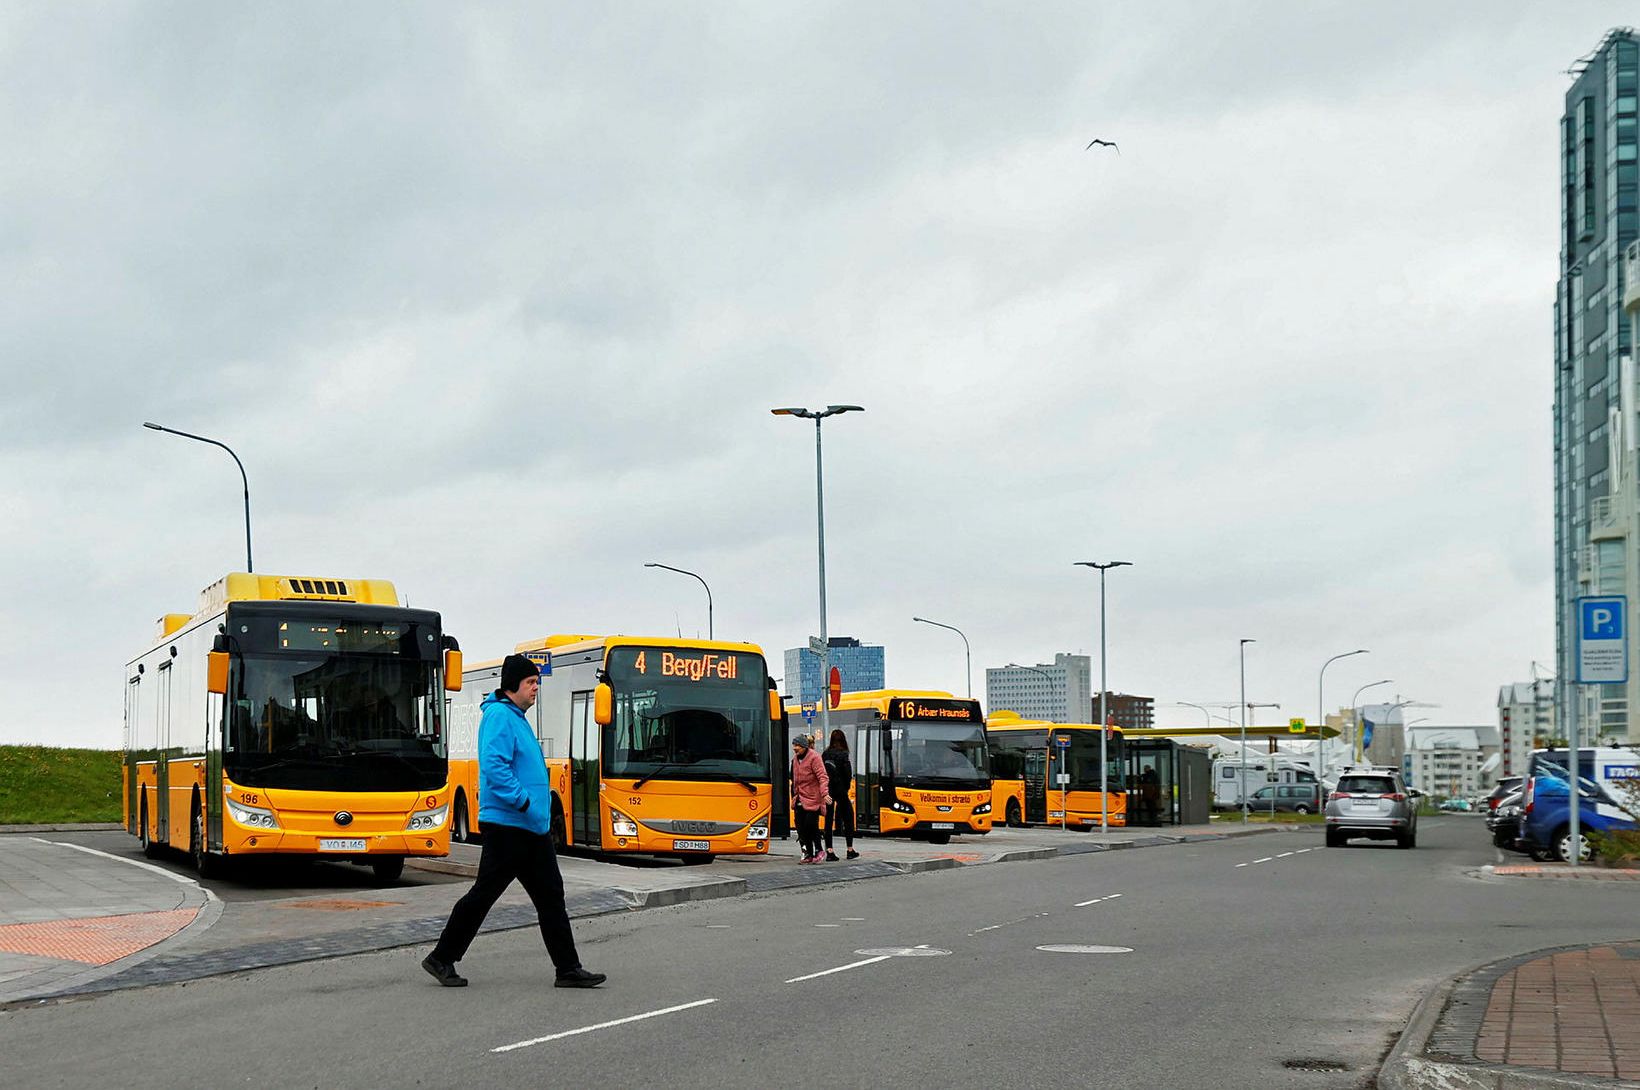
<point>1586,873</point>
<point>1567,1017</point>
<point>69,915</point>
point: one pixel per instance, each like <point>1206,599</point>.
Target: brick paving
<point>1586,873</point>
<point>94,940</point>
<point>1575,1011</point>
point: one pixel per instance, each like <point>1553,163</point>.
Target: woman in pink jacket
<point>808,797</point>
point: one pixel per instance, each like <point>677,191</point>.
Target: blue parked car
<point>1545,828</point>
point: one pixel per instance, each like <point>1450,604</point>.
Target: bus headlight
<point>427,820</point>
<point>622,825</point>
<point>983,808</point>
<point>901,807</point>
<point>759,829</point>
<point>252,816</point>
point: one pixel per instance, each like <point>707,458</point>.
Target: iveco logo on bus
<point>344,818</point>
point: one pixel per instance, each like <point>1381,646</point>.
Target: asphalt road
<point>1244,954</point>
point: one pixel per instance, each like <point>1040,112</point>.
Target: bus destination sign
<point>924,710</point>
<point>684,665</point>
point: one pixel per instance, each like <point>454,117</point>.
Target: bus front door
<point>868,794</point>
<point>1036,785</point>
<point>584,735</point>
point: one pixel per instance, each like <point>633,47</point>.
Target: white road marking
<point>602,1025</point>
<point>713,926</point>
<point>1266,859</point>
<point>1113,896</point>
<point>852,919</point>
<point>183,878</point>
<point>1241,864</point>
<point>1007,923</point>
<point>1077,948</point>
<point>1096,900</point>
<point>828,925</point>
<point>839,969</point>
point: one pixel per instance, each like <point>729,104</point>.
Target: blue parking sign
<point>1602,644</point>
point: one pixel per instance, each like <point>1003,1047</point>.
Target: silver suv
<point>1372,802</point>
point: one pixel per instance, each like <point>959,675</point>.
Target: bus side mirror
<point>603,704</point>
<point>776,707</point>
<point>452,670</point>
<point>216,672</point>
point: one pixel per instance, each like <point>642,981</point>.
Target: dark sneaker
<point>831,856</point>
<point>579,978</point>
<point>443,972</point>
<point>852,854</point>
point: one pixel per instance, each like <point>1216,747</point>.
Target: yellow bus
<point>1029,755</point>
<point>921,767</point>
<point>291,716</point>
<point>653,746</point>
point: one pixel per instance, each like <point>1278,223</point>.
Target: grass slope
<point>41,785</point>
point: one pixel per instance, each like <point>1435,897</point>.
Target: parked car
<point>1545,827</point>
<point>1455,806</point>
<point>1375,803</point>
<point>1503,820</point>
<point>1289,798</point>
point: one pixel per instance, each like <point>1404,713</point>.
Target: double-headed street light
<point>1104,692</point>
<point>817,415</point>
<point>242,478</point>
<point>709,629</point>
<point>1355,714</point>
<point>1198,707</point>
<point>967,655</point>
<point>1242,651</point>
<point>1321,716</point>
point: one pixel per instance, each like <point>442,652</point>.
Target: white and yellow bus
<point>291,716</point>
<point>653,746</point>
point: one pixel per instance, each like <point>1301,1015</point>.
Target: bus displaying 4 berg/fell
<point>921,766</point>
<point>652,745</point>
<point>1027,758</point>
<point>291,716</point>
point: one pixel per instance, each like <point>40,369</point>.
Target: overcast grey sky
<point>493,301</point>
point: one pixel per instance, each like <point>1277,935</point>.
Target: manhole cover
<point>1079,948</point>
<point>1311,1063</point>
<point>903,952</point>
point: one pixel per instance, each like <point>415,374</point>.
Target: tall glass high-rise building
<point>1597,495</point>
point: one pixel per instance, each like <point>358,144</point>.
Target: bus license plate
<point>943,825</point>
<point>691,845</point>
<point>334,844</point>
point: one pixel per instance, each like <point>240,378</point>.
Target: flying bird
<point>1104,144</point>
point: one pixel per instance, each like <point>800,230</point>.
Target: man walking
<point>515,811</point>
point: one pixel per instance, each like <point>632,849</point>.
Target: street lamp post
<point>710,632</point>
<point>1355,713</point>
<point>967,655</point>
<point>820,535</point>
<point>249,567</point>
<point>1321,716</point>
<point>1243,656</point>
<point>1198,707</point>
<point>1104,692</point>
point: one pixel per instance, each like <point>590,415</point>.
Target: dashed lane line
<point>840,968</point>
<point>1096,900</point>
<point>602,1025</point>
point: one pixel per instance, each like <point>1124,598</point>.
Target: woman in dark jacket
<point>840,777</point>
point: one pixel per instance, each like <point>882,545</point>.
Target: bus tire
<point>1014,818</point>
<point>560,840</point>
<point>460,832</point>
<point>208,865</point>
<point>149,848</point>
<point>939,838</point>
<point>387,868</point>
<point>697,860</point>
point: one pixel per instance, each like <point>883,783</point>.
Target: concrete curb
<point>1406,1067</point>
<point>84,827</point>
<point>703,891</point>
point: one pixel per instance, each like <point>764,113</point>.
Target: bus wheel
<point>149,848</point>
<point>204,862</point>
<point>1014,818</point>
<point>697,860</point>
<point>458,824</point>
<point>939,838</point>
<point>388,868</point>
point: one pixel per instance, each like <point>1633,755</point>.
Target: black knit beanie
<point>514,669</point>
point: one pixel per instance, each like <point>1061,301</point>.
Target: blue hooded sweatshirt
<point>512,775</point>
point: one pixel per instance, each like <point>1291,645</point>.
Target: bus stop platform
<point>70,916</point>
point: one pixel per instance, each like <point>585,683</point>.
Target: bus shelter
<point>1168,783</point>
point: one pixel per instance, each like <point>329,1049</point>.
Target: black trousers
<point>808,831</point>
<point>529,857</point>
<point>840,813</point>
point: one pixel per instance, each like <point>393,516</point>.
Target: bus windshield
<point>337,722</point>
<point>685,713</point>
<point>940,754</point>
<point>1083,762</point>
